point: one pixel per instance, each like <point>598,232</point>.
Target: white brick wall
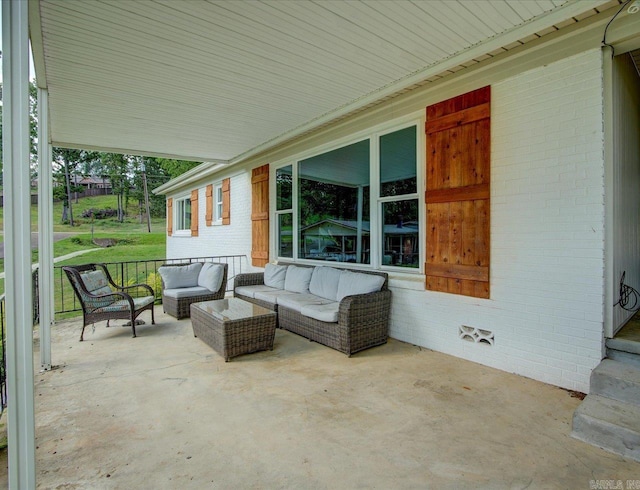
<point>233,239</point>
<point>547,235</point>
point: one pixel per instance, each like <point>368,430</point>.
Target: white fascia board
<point>37,44</point>
<point>196,174</point>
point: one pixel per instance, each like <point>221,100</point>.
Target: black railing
<point>138,271</point>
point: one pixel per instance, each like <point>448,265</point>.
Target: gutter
<point>195,174</point>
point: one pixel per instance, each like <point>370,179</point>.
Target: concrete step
<point>617,380</point>
<point>624,345</point>
<point>622,356</point>
<point>609,424</point>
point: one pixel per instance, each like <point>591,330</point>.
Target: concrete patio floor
<point>165,411</point>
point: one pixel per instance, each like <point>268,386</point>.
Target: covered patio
<point>225,83</point>
<point>165,411</point>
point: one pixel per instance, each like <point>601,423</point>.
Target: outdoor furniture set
<point>343,309</point>
<point>347,310</point>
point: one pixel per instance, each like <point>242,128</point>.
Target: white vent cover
<point>476,335</point>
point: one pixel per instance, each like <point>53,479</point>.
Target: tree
<point>117,167</point>
<point>66,160</point>
<point>176,167</point>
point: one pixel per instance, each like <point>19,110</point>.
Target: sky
<point>32,71</point>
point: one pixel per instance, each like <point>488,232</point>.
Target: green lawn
<point>132,240</point>
<point>131,223</point>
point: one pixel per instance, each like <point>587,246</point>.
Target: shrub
<point>99,213</point>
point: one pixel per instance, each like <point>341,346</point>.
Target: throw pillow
<point>274,275</point>
<point>357,283</point>
<point>298,279</point>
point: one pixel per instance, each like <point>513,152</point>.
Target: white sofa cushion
<point>250,291</point>
<point>357,283</point>
<point>210,276</point>
<point>324,282</point>
<point>183,276</point>
<point>298,278</point>
<point>298,301</point>
<point>187,292</point>
<point>274,275</point>
<point>323,313</point>
<point>272,297</point>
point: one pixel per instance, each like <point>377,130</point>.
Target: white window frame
<point>218,206</point>
<point>375,212</point>
<point>179,215</point>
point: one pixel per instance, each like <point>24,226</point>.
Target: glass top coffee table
<point>233,327</point>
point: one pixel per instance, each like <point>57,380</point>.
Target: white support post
<point>17,234</point>
<point>45,230</point>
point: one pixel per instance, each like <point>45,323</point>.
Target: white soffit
<point>214,80</point>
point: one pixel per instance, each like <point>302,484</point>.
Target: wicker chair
<point>103,299</point>
<point>181,307</point>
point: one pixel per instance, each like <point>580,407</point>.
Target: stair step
<point>609,424</point>
<point>617,380</point>
<point>622,356</point>
<point>624,345</point>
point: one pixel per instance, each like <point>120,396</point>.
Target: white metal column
<point>45,230</point>
<point>17,203</point>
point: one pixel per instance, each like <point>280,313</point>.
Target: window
<point>218,203</point>
<point>357,203</point>
<point>217,192</point>
<point>284,211</point>
<point>333,209</point>
<point>399,198</point>
<point>182,215</point>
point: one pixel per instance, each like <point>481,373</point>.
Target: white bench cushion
<point>298,301</point>
<point>186,292</point>
<point>323,313</point>
<point>250,291</point>
<point>272,297</point>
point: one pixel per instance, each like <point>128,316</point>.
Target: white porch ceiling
<point>217,80</point>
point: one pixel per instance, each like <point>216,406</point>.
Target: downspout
<point>45,230</point>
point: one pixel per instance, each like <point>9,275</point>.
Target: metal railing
<point>139,271</point>
<point>132,272</point>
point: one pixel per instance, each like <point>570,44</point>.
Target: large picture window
<point>354,204</point>
<point>333,207</point>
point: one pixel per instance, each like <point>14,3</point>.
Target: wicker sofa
<point>183,284</point>
<point>343,309</point>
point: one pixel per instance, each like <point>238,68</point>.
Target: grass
<point>83,225</point>
<point>133,242</point>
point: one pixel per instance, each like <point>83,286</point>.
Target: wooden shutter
<point>208,216</point>
<point>169,216</point>
<point>226,202</point>
<point>260,216</point>
<point>457,196</point>
<point>194,212</point>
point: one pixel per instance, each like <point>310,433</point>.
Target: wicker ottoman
<point>233,327</point>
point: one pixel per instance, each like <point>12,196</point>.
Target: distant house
<point>91,182</point>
